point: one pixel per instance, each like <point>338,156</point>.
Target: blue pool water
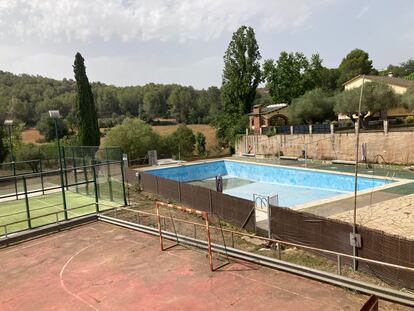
<point>293,186</point>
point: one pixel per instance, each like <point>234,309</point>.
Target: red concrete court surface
<point>104,267</point>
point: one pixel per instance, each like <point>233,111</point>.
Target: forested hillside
<point>26,98</point>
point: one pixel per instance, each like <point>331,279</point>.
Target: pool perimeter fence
<point>84,180</point>
<point>233,210</point>
<point>297,227</point>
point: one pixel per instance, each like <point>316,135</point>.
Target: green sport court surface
<point>48,208</point>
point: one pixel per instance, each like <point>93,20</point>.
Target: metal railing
<point>277,242</point>
<point>280,263</point>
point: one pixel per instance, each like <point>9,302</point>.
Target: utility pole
<point>355,238</point>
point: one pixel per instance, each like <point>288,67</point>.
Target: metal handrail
<point>284,242</point>
<point>4,226</point>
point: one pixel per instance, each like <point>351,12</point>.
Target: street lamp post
<point>55,115</point>
<point>9,124</point>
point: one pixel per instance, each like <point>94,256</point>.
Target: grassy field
<point>206,129</point>
<point>31,135</point>
<point>42,206</point>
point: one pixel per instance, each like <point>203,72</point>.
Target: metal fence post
<point>85,172</point>
<point>338,262</point>
<point>123,182</point>
<point>111,196</point>
<point>64,168</point>
<point>62,183</point>
<point>41,176</point>
<point>95,186</point>
<point>179,191</point>
<point>75,170</point>
<point>26,199</point>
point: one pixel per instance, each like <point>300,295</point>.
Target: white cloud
<point>363,11</point>
<point>69,20</point>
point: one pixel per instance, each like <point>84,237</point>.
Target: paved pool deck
<point>390,210</point>
<point>104,267</point>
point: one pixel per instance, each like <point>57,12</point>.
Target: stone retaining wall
<point>393,147</point>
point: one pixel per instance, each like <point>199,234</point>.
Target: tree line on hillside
<point>86,124</point>
<point>27,98</point>
<point>312,91</point>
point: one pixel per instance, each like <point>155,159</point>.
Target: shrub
<point>409,119</point>
<point>271,132</point>
<point>30,152</point>
<point>200,140</point>
<point>181,142</point>
<point>46,127</point>
<point>134,137</point>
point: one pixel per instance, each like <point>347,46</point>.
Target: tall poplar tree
<point>241,76</point>
<point>88,130</point>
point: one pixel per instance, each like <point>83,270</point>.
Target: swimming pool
<point>294,186</point>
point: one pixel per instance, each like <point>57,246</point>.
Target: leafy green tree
<point>376,98</point>
<point>200,141</point>
<point>134,137</point>
<point>284,78</point>
<point>154,104</point>
<point>30,152</point>
<point>355,63</point>
<point>181,142</point>
<point>330,78</point>
<point>241,76</point>
<point>312,107</point>
<point>46,127</point>
<point>88,130</point>
<point>402,70</point>
<point>313,75</point>
<point>3,145</point>
<point>182,104</point>
<point>410,77</point>
<point>407,98</point>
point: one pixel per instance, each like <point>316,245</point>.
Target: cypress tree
<point>88,130</point>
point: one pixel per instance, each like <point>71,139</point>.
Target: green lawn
<point>77,204</point>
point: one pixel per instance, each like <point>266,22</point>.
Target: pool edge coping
<point>398,181</point>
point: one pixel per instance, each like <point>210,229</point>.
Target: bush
<point>134,137</point>
<point>46,127</point>
<point>181,142</point>
<point>30,152</point>
<point>200,140</point>
<point>271,132</point>
<point>409,119</point>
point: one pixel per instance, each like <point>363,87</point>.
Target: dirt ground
<point>104,267</point>
<point>31,135</point>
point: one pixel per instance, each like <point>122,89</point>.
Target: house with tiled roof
<point>271,115</point>
<point>399,86</point>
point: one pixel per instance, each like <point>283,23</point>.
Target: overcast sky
<point>130,42</point>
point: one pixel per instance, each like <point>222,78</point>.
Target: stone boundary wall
<point>393,147</point>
